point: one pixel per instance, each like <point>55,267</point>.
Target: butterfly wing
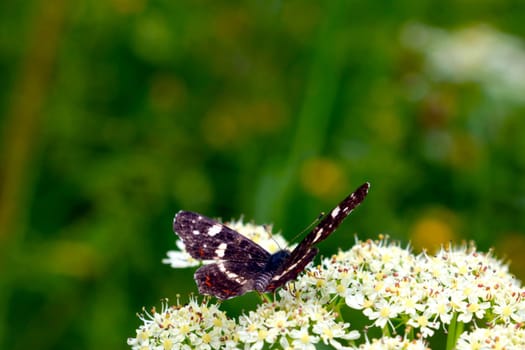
<point>304,253</point>
<point>289,271</point>
<point>207,239</point>
<point>228,279</point>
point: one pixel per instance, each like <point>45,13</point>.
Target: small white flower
<point>253,331</point>
<point>439,306</point>
<point>382,312</point>
<point>507,309</point>
<point>424,324</point>
<point>181,258</point>
<point>303,340</point>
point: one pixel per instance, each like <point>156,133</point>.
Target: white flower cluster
<point>193,326</point>
<point>394,287</point>
<point>289,323</point>
<point>293,322</point>
<point>404,298</point>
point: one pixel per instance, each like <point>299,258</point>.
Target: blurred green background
<point>117,114</point>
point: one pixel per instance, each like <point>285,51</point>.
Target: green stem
<point>386,331</point>
<point>451,337</point>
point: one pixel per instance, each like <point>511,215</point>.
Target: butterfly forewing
<point>320,232</point>
<point>207,239</point>
<point>332,220</point>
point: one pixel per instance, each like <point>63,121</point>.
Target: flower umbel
<point>295,321</point>
<point>195,325</point>
<point>396,289</point>
<point>460,294</point>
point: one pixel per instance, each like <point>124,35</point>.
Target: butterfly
<point>241,265</point>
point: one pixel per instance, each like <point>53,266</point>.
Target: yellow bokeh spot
<point>322,178</point>
<point>511,246</point>
<point>430,233</point>
<point>387,126</point>
<point>167,92</point>
<point>220,130</point>
<point>127,7</point>
<point>465,152</point>
<point>233,124</point>
<point>70,258</point>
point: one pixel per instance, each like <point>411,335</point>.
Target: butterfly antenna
<point>309,227</point>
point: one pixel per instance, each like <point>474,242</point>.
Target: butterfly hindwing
<point>211,280</point>
<point>227,279</point>
<point>207,239</point>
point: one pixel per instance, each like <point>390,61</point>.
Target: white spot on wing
<point>231,275</point>
<point>215,229</point>
<point>220,250</point>
<point>291,268</point>
<point>286,271</point>
<point>335,212</point>
<point>318,235</point>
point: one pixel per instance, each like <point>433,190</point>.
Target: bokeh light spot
<point>167,92</point>
<point>430,233</point>
<point>512,245</point>
<point>129,6</point>
<point>193,188</point>
<point>233,124</point>
<point>73,259</point>
<point>322,178</point>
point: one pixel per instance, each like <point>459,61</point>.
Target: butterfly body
<point>239,264</point>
